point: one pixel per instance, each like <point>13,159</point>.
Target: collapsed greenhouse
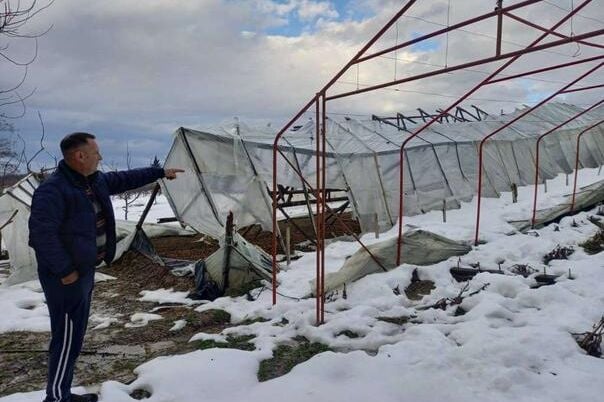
<point>230,167</point>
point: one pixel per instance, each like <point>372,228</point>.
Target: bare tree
<point>129,197</point>
<point>9,158</point>
<point>14,17</point>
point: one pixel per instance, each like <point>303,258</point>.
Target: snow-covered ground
<point>514,343</point>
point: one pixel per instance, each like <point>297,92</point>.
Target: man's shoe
<point>84,398</point>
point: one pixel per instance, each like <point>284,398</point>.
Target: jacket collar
<point>76,178</point>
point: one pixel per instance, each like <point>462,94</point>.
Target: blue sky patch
<point>347,11</point>
<point>428,45</point>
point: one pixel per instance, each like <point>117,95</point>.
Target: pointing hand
<point>170,174</point>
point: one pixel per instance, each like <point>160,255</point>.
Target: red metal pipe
<point>318,210</point>
<point>499,26</point>
<point>521,115</point>
<point>447,29</point>
<point>468,94</point>
<point>542,70</point>
<point>324,204</point>
<point>583,88</point>
<point>346,227</point>
<point>572,204</point>
<point>527,50</point>
<point>533,25</point>
<point>404,9</point>
<point>302,111</point>
<point>377,36</point>
<point>274,234</point>
<point>548,132</point>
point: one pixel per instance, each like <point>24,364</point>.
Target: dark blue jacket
<point>62,225</point>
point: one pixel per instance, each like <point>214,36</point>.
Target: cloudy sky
<point>132,72</point>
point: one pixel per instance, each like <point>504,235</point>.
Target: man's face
<point>89,157</point>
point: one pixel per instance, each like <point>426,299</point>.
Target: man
<point>72,230</point>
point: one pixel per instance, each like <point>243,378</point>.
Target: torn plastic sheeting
<point>586,197</point>
<point>247,263</point>
<point>420,247</point>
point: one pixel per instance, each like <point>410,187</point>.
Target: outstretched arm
<point>125,180</point>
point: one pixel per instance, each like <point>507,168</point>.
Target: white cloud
<point>309,10</point>
<point>150,66</point>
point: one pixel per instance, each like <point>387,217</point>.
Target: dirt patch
<point>345,225</point>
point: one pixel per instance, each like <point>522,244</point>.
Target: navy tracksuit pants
<point>69,308</point>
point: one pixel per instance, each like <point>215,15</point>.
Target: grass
<point>218,316</point>
<point>251,321</point>
<point>594,244</point>
<point>232,342</point>
<point>286,357</point>
<point>247,287</point>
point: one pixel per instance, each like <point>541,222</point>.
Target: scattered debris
<point>544,280</point>
<point>524,270</point>
<point>445,302</point>
<point>464,274</point>
<point>558,253</point>
<point>591,342</point>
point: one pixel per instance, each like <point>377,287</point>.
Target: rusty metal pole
<point>516,55</point>
<point>318,222</point>
<point>274,190</point>
<point>274,234</point>
<point>537,153</point>
<point>323,199</point>
<point>498,8</point>
<point>520,116</point>
<point>572,204</point>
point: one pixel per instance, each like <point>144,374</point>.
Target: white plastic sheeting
<point>15,233</point>
<point>246,263</point>
<point>230,168</point>
<point>586,197</point>
<point>419,247</point>
<point>15,203</point>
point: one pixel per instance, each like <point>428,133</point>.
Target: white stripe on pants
<point>67,338</point>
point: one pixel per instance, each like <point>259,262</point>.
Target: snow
<point>178,325</point>
<point>160,209</point>
<point>141,319</point>
<point>163,296</point>
<point>514,343</point>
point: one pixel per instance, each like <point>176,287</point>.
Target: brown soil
<point>345,225</point>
